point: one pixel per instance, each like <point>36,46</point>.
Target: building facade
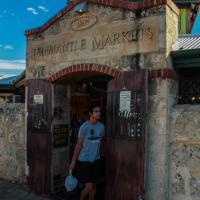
<point>116,53</point>
<point>110,38</point>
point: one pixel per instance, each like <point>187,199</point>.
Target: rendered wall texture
<point>184,153</point>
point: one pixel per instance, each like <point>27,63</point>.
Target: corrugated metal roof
<point>186,42</point>
<point>8,80</point>
<point>186,1</point>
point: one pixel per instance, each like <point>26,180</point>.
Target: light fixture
<point>81,8</point>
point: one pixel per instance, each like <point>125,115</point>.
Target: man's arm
<point>76,152</point>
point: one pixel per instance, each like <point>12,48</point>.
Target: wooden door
<point>61,130</point>
<point>39,145</point>
<point>126,111</point>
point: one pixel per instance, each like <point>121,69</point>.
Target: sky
<point>16,16</point>
<point>196,27</point>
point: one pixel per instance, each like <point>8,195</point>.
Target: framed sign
<point>39,98</point>
<point>60,135</point>
<point>125,101</point>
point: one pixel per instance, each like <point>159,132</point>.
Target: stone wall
<point>185,153</point>
<point>12,142</point>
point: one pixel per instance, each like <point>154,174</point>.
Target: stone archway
<point>62,83</point>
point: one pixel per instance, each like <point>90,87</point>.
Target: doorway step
<point>66,196</point>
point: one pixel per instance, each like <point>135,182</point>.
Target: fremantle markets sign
<point>132,36</point>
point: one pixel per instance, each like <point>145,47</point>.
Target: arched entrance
<point>122,96</point>
<point>84,68</point>
<point>83,83</point>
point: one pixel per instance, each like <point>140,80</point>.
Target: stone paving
<point>13,191</point>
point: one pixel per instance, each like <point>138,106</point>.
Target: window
<point>189,86</point>
<point>10,98</point>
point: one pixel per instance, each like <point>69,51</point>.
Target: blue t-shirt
<point>92,135</point>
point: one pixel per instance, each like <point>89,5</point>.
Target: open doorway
<point>125,130</point>
<point>84,89</point>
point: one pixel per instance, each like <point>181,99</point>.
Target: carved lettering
<point>83,44</point>
<point>97,44</point>
<point>107,40</point>
<point>2,134</point>
<point>83,22</point>
<point>149,32</point>
<point>39,72</point>
<point>116,38</point>
<point>140,32</point>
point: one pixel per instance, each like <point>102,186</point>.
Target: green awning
<point>186,58</point>
<point>186,1</point>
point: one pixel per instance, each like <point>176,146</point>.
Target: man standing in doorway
<point>87,153</point>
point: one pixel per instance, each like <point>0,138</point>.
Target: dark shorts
<point>89,172</point>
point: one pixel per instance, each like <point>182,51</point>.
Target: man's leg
<point>87,191</point>
<point>93,193</point>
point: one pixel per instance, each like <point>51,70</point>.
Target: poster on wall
<point>125,101</point>
<point>60,135</point>
<point>38,99</point>
<point>38,113</point>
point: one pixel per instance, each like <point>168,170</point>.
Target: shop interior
<point>84,89</point>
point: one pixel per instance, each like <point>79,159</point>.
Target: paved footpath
<point>12,191</point>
